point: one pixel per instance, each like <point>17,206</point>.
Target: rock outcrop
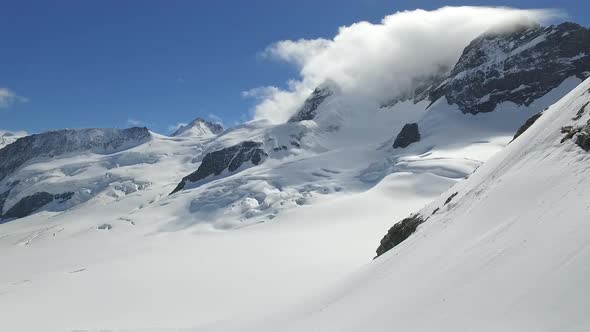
<point>28,205</point>
<point>309,109</point>
<point>408,135</point>
<point>518,66</point>
<point>55,143</point>
<point>229,159</point>
<point>528,123</point>
<point>398,233</point>
<point>580,134</point>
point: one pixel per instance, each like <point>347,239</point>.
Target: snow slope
<point>509,253</point>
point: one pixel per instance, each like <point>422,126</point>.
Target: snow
<point>198,127</point>
<point>7,137</point>
<point>510,253</point>
<point>289,244</point>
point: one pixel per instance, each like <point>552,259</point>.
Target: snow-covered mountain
<point>105,213</point>
<point>505,250</point>
<point>7,137</point>
<point>199,127</point>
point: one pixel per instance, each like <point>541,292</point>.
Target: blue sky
<point>113,63</point>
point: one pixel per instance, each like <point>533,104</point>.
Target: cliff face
<point>229,159</point>
<point>518,66</point>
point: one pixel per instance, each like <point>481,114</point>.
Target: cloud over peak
<point>8,98</point>
<point>376,61</point>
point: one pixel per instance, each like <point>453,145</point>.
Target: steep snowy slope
<point>508,252</point>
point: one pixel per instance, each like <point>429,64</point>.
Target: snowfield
<point>132,258</point>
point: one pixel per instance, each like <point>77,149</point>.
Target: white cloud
<point>375,61</point>
<point>19,133</point>
<point>298,52</point>
<point>261,92</point>
<point>134,122</point>
<point>215,119</point>
<point>9,98</point>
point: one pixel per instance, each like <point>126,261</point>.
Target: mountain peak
<point>518,66</point>
<point>199,127</point>
<point>8,137</point>
<point>309,108</point>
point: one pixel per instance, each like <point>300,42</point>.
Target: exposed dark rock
<point>230,159</point>
<point>309,109</point>
<point>63,197</point>
<point>583,139</point>
<point>408,135</point>
<point>518,66</point>
<point>105,226</point>
<point>528,123</point>
<point>398,233</point>
<point>450,198</point>
<point>30,204</point>
<point>423,89</point>
<point>580,133</point>
<point>3,198</point>
<point>580,112</point>
<point>55,143</point>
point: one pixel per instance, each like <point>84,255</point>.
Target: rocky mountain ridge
<point>519,66</point>
<point>55,143</point>
<point>199,127</point>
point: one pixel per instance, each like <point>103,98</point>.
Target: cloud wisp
<point>8,98</point>
<point>376,61</point>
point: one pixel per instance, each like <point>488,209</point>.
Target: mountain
<point>7,137</point>
<point>518,67</point>
<point>199,127</point>
<point>506,249</point>
<point>309,108</point>
<point>29,191</point>
<point>243,222</point>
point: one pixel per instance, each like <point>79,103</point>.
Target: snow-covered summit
<point>309,108</point>
<point>518,66</point>
<point>8,137</point>
<point>199,127</point>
